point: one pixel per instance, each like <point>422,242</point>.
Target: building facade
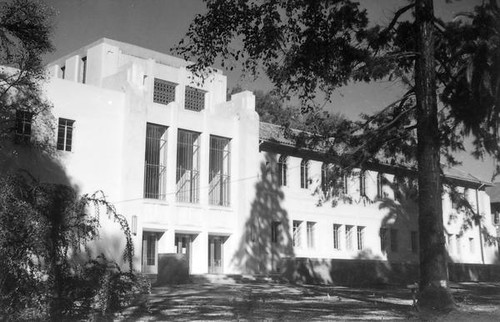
<point>207,188</point>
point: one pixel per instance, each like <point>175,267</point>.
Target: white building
<point>207,188</point>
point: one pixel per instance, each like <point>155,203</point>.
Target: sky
<point>161,24</point>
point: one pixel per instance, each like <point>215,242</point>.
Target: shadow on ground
<point>250,299</point>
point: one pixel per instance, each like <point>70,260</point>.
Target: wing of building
<point>207,188</point>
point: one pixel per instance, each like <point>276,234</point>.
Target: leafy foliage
<point>25,29</point>
<point>43,230</point>
<point>307,47</point>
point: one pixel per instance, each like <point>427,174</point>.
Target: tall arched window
<point>282,170</point>
<point>304,174</point>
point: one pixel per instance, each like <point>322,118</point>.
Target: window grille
<point>194,99</point>
<point>188,164</point>
<point>336,236</point>
<point>310,234</point>
<point>65,134</point>
<point>414,242</point>
<point>348,237</point>
<point>163,91</point>
<point>282,170</point>
<point>361,237</point>
<point>155,162</point>
<point>362,183</point>
<point>304,174</point>
<point>219,174</point>
<point>296,233</point>
<point>394,240</point>
<point>23,127</point>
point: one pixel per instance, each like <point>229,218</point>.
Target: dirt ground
<point>263,300</point>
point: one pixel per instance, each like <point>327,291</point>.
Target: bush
<point>43,228</point>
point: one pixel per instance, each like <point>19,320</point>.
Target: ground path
<point>251,299</point>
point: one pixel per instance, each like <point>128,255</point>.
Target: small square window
<point>163,91</point>
<point>194,99</point>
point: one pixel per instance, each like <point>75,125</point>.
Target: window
<point>275,231</point>
<point>459,245</point>
<point>345,183</point>
<point>310,234</point>
<point>151,249</point>
<point>348,237</point>
<point>362,183</point>
<point>414,242</point>
<point>394,240</point>
<point>397,185</point>
<point>472,246</point>
<point>383,240</point>
<point>495,218</point>
<point>163,91</point>
<point>219,175</point>
<point>361,237</point>
<point>83,70</point>
<point>62,72</point>
<point>282,170</point>
<point>155,162</point>
<point>336,236</point>
<point>325,177</point>
<point>194,99</point>
<point>296,233</point>
<point>23,127</point>
<point>65,134</point>
<point>450,240</point>
<point>188,164</point>
<point>380,186</point>
<point>304,174</point>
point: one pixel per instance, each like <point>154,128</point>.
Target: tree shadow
<point>266,241</point>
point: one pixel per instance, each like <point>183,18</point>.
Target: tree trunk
<point>434,291</point>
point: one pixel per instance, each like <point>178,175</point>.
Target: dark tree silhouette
<point>306,46</point>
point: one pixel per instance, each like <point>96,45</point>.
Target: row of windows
<point>24,122</point>
<point>329,174</point>
<point>188,166</point>
<point>164,93</point>
<point>348,237</point>
<point>348,240</point>
<point>454,244</point>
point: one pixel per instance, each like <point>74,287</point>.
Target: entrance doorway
<point>149,253</point>
<point>216,254</point>
<point>183,245</point>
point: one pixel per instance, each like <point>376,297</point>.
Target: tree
<point>305,47</point>
<point>46,270</point>
<point>25,30</point>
